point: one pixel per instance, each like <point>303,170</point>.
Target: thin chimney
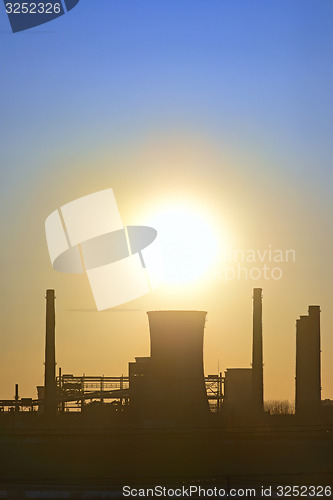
<point>50,406</point>
<point>257,354</point>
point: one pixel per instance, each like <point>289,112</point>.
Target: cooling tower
<point>308,372</point>
<point>177,376</point>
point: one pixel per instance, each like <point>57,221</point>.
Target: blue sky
<point>256,69</point>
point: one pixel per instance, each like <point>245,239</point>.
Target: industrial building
<point>244,387</point>
<point>237,402</point>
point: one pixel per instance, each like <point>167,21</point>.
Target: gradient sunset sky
<point>224,106</point>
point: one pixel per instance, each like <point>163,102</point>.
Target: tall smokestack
<point>257,356</point>
<point>50,401</point>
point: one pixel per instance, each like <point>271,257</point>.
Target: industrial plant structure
<point>166,422</point>
<point>169,386</point>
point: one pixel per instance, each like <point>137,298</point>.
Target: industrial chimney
<point>308,370</point>
<point>257,355</point>
<point>50,393</point>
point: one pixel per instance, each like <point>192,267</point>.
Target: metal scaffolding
<point>77,393</point>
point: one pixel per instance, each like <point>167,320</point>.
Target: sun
<point>187,242</point>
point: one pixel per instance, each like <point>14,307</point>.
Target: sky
<point>222,106</point>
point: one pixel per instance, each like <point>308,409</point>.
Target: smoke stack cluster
<point>308,370</point>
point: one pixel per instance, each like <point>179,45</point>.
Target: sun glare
<point>188,245</point>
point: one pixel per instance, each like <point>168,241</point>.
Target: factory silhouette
<point>169,385</point>
<point>166,419</point>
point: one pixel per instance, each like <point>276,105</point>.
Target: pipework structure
<point>308,364</point>
<point>76,393</point>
